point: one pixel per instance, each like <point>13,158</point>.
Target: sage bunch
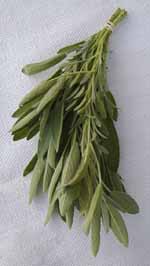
<point>77,158</point>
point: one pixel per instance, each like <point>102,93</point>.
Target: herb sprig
<point>77,157</point>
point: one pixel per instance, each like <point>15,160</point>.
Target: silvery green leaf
<point>95,230</point>
<point>82,167</point>
<point>116,182</point>
<point>43,65</point>
<point>57,124</point>
<point>68,197</point>
<point>54,179</point>
<point>125,202</point>
<point>112,145</point>
<point>69,216</point>
<point>100,106</point>
<point>47,177</point>
<point>40,89</point>
<point>24,121</point>
<point>20,134</point>
<point>105,216</point>
<point>86,194</point>
<point>51,205</point>
<point>29,168</point>
<point>27,107</point>
<point>118,226</point>
<point>37,173</point>
<point>50,95</point>
<point>72,162</point>
<point>94,202</point>
<point>33,131</point>
<point>111,106</point>
<point>70,48</point>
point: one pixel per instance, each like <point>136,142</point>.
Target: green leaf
<point>111,106</point>
<point>24,121</point>
<point>112,145</point>
<point>70,48</point>
<point>95,200</point>
<point>68,197</point>
<point>20,134</point>
<point>51,206</point>
<point>116,182</point>
<point>55,178</point>
<point>50,164</point>
<point>85,194</point>
<point>43,65</point>
<point>105,216</point>
<point>38,171</point>
<point>69,216</point>
<point>33,131</point>
<point>57,124</point>
<point>29,168</point>
<point>50,95</point>
<point>95,231</point>
<point>118,226</point>
<point>39,90</point>
<point>72,162</point>
<point>125,202</point>
<point>27,107</point>
<point>81,168</point>
<point>100,106</point>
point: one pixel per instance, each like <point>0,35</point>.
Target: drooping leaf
<point>33,130</point>
<point>69,216</point>
<point>71,163</point>
<point>57,124</point>
<point>68,197</point>
<point>125,202</point>
<point>95,230</point>
<point>105,216</point>
<point>20,134</point>
<point>118,226</point>
<point>24,121</point>
<point>29,168</point>
<point>95,201</point>
<point>37,173</point>
<point>81,171</point>
<point>112,145</point>
<point>55,178</point>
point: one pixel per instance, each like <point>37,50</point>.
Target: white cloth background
<point>31,30</point>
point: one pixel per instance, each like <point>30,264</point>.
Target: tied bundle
<point>77,157</point>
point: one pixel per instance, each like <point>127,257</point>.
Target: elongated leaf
<point>69,217</point>
<point>100,106</point>
<point>111,106</point>
<point>95,201</point>
<point>28,107</point>
<point>125,202</point>
<point>33,131</point>
<point>70,48</point>
<point>105,216</point>
<point>51,206</point>
<point>68,197</point>
<point>50,95</point>
<point>72,163</point>
<point>29,168</point>
<point>118,226</point>
<point>95,230</point>
<point>43,65</point>
<point>81,171</point>
<point>55,178</point>
<point>116,182</point>
<point>57,124</point>
<point>112,145</point>
<point>20,134</point>
<point>40,89</point>
<point>50,164</point>
<point>24,121</point>
<point>85,195</point>
<point>38,171</point>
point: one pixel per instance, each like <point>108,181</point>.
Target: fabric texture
<point>33,30</point>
